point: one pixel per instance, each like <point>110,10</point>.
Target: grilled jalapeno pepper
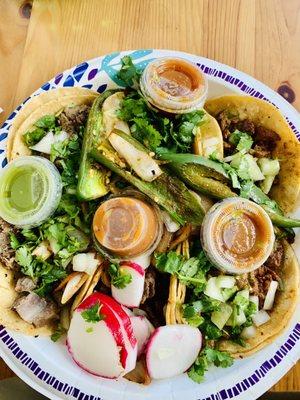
<point>92,181</point>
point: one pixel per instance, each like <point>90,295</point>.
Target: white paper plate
<point>47,367</point>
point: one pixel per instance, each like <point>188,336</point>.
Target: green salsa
<point>24,189</point>
<point>31,189</point>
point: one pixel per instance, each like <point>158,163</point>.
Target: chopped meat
<point>242,281</point>
<point>260,152</point>
<point>224,122</point>
<point>149,286</point>
<point>261,278</point>
<point>35,309</point>
<point>275,260</point>
<point>243,126</point>
<point>7,254</point>
<point>266,139</point>
<point>73,117</point>
<point>25,284</point>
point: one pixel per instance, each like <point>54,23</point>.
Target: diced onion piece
<point>44,145</point>
<point>42,250</point>
<point>213,290</point>
<point>255,300</point>
<point>85,262</point>
<point>260,318</point>
<point>270,297</point>
<point>225,281</point>
<point>221,316</point>
<point>248,332</point>
<point>170,224</point>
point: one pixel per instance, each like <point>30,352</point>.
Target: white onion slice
<point>270,297</point>
<point>171,225</point>
<point>255,300</point>
<point>261,317</point>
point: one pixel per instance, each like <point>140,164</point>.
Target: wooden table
<point>41,38</point>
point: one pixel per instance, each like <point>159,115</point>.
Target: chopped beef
<point>265,139</point>
<point>7,254</point>
<point>35,309</point>
<point>73,117</point>
<point>243,126</point>
<point>275,260</point>
<point>25,284</point>
<point>149,286</point>
<point>242,281</point>
<point>260,152</point>
<point>261,278</point>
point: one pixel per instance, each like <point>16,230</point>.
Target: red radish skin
<point>114,325</point>
<point>133,265</point>
<point>180,348</point>
<point>119,311</point>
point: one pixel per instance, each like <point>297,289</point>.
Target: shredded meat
<point>25,284</point>
<point>261,278</point>
<point>73,117</point>
<point>7,254</point>
<point>35,309</point>
<point>149,286</point>
<point>275,260</point>
<point>265,139</point>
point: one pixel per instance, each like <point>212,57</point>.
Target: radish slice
<point>131,295</point>
<point>142,329</point>
<point>260,318</point>
<point>126,328</point>
<point>99,348</point>
<point>270,297</point>
<point>172,349</point>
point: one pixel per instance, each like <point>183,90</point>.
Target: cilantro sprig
<point>207,357</point>
<point>93,314</point>
<point>119,277</point>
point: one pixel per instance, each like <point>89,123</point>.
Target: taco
<point>21,309</point>
<point>273,138</point>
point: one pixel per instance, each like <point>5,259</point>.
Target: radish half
<point>126,327</point>
<point>131,295</point>
<point>142,329</point>
<point>172,349</point>
<point>99,348</point>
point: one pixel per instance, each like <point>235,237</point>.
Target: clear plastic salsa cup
<point>30,190</point>
<point>174,85</point>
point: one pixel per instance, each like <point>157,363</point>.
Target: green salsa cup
<point>30,189</point>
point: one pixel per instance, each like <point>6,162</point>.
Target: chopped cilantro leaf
<point>33,137</point>
<point>119,277</point>
<point>207,357</point>
<point>14,242</point>
<point>58,333</point>
<point>128,72</point>
<point>93,314</point>
<point>46,122</point>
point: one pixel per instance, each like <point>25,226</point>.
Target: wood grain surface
<point>259,37</point>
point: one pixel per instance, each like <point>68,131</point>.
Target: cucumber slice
<point>220,317</point>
